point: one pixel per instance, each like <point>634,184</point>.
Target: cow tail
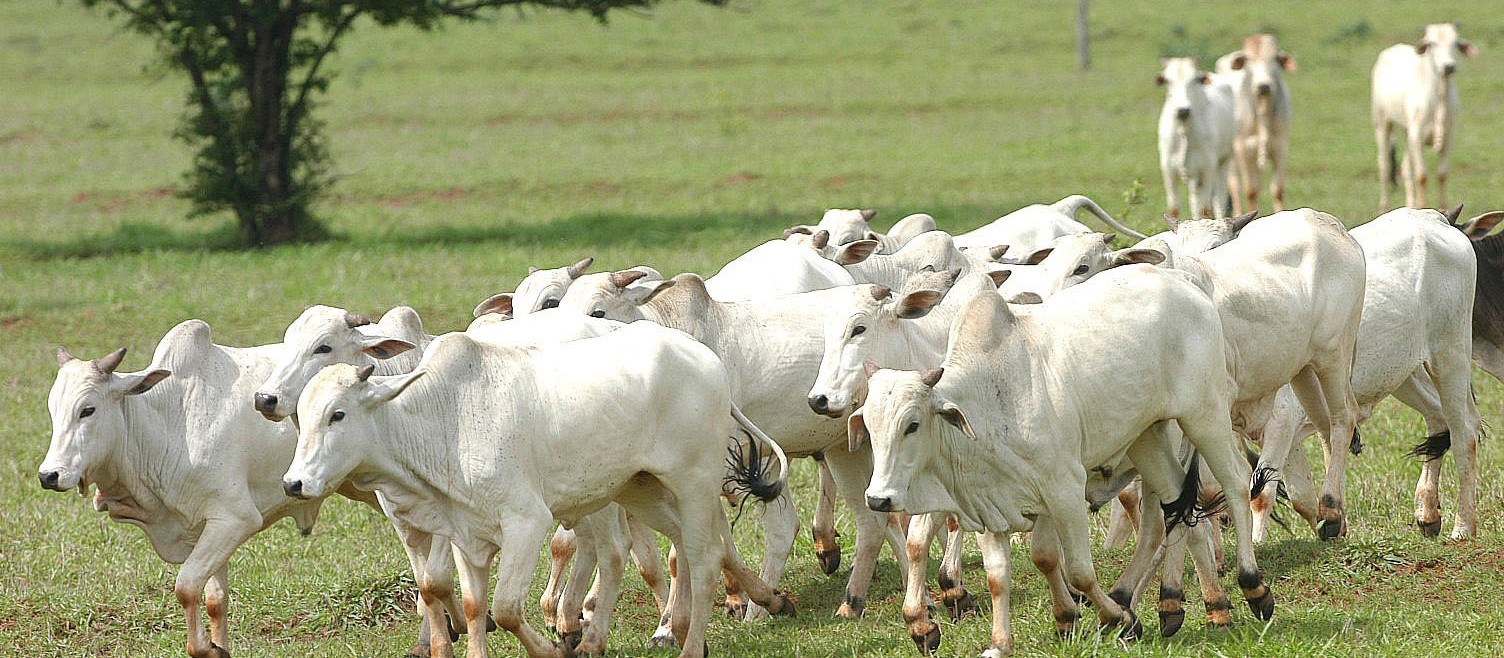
<point>1394,165</point>
<point>1189,508</point>
<point>747,469</point>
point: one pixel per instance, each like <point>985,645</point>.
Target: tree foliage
<point>255,68</point>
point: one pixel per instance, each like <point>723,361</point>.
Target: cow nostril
<point>266,403</point>
<point>1264,89</point>
<point>880,504</point>
<point>1183,113</point>
<point>819,404</point>
<point>49,479</point>
<point>1449,69</point>
<point>293,489</point>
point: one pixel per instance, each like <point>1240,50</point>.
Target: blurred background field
<point>676,139</point>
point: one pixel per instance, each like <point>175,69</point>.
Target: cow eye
<point>858,330</point>
<point>322,349</point>
<point>1081,269</point>
<point>912,428</point>
<point>336,417</point>
<point>86,412</point>
<point>597,314</point>
<point>550,303</point>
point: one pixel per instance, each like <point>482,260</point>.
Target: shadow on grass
<point>583,229</point>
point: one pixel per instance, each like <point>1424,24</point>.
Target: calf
<point>486,444</point>
<point>1414,89</point>
<point>1195,136</point>
<point>1261,105</point>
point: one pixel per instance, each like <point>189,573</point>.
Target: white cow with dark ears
<point>1414,87</point>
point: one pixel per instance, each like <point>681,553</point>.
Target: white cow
<point>776,268</point>
<point>489,444</point>
<point>177,450</point>
<point>1196,128</point>
<point>1414,89</point>
<point>1415,342</point>
<point>771,348</point>
<point>1261,105</point>
<point>1029,441</point>
<point>1034,226</point>
<point>541,290</point>
<point>846,226</point>
<point>1290,291</point>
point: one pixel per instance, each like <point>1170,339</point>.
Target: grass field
<point>678,141</point>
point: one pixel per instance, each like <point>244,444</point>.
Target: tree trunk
<point>1083,37</point>
<point>277,216</point>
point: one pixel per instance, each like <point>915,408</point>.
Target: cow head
<point>337,411</point>
<point>1181,81</point>
<point>846,226</point>
<point>821,242</point>
<point>88,422</point>
<point>1071,259</point>
<point>905,419</point>
<point>615,295</point>
<point>1195,236</point>
<point>1441,45</point>
<point>543,289</point>
<point>1261,61</point>
<point>321,336</point>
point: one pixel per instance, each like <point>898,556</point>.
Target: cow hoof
<point>850,611</point>
<point>785,604</point>
<point>1132,629</point>
<point>570,641</point>
<point>664,641</point>
<point>927,642</point>
<point>216,651</point>
<point>1430,530</point>
<point>735,609</point>
<point>1329,529</point>
<point>1170,622</point>
<point>961,607</point>
<point>1263,606</point>
<point>830,561</point>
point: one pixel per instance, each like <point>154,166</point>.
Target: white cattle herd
<point>1000,381</point>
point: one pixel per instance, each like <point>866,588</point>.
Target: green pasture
<point>678,140</point>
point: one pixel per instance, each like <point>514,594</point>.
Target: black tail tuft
<point>1434,447</point>
<point>1262,476</point>
<point>1394,166</point>
<point>750,472</point>
<point>1356,445</point>
<point>1189,508</point>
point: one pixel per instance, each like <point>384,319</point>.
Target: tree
<point>254,68</point>
<point>1083,37</point>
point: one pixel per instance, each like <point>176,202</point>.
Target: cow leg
<point>613,545</point>
<point>1249,162</point>
<point>1210,430</point>
<point>1123,517</point>
<point>997,558</point>
<point>1196,189</point>
<point>518,552</point>
<point>210,556</point>
<point>759,592</point>
<point>1336,388</point>
<point>648,559</point>
<point>1384,135</point>
<point>1237,179</point>
<point>1202,540</point>
<point>217,605</point>
<point>664,636</point>
<point>560,550</point>
<point>953,592</point>
<point>416,545</point>
<point>1044,552</point>
<point>1451,375</point>
<point>916,596</point>
<point>1489,357</point>
<point>1308,388</point>
<point>827,550</point>
<point>1067,518</point>
<point>780,526</point>
<point>1172,198</point>
<point>1443,157</point>
<point>1419,393</point>
<point>571,603</point>
<point>1415,169</point>
<point>436,589</point>
<point>1297,481</point>
<point>1277,154</point>
<point>852,471</point>
<point>1283,432</point>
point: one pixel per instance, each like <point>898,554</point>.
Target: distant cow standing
<point>1413,89</point>
<point>1261,108</point>
<point>1195,136</point>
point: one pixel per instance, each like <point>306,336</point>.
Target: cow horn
<point>870,368</point>
<point>796,230</point>
<point>365,372</point>
<point>881,292</point>
<point>868,214</point>
<point>1453,214</point>
<point>574,271</point>
<point>353,320</point>
<point>820,239</point>
<point>1241,221</point>
<point>953,275</point>
<point>1171,221</point>
<point>997,251</point>
<point>626,278</point>
<point>931,377</point>
<point>928,268</point>
<point>109,362</point>
<point>1107,238</point>
<point>63,357</point>
<point>531,270</point>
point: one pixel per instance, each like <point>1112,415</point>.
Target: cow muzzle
<point>1263,89</point>
<point>294,489</point>
<point>1449,69</point>
<point>51,480</point>
<point>877,504</point>
<point>820,404</point>
<point>267,405</point>
<point>1183,113</point>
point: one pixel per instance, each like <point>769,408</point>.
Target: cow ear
<point>1238,62</point>
<point>820,239</point>
<point>498,303</point>
<point>1172,222</point>
<point>952,414</point>
<point>855,252</point>
<point>918,304</point>
<point>999,276</point>
<point>63,357</point>
<point>1421,47</point>
<point>868,214</point>
<point>1479,226</point>
<point>382,347</point>
<point>996,251</point>
<point>1038,256</point>
<point>644,291</point>
<point>531,270</point>
<point>1286,61</point>
<point>1467,47</point>
<point>871,235</point>
<point>1206,78</point>
<point>1026,298</point>
<point>574,271</point>
<point>383,390</point>
<point>136,383</point>
<point>1160,80</point>
<point>796,230</point>
<point>1136,255</point>
<point>856,430</point>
